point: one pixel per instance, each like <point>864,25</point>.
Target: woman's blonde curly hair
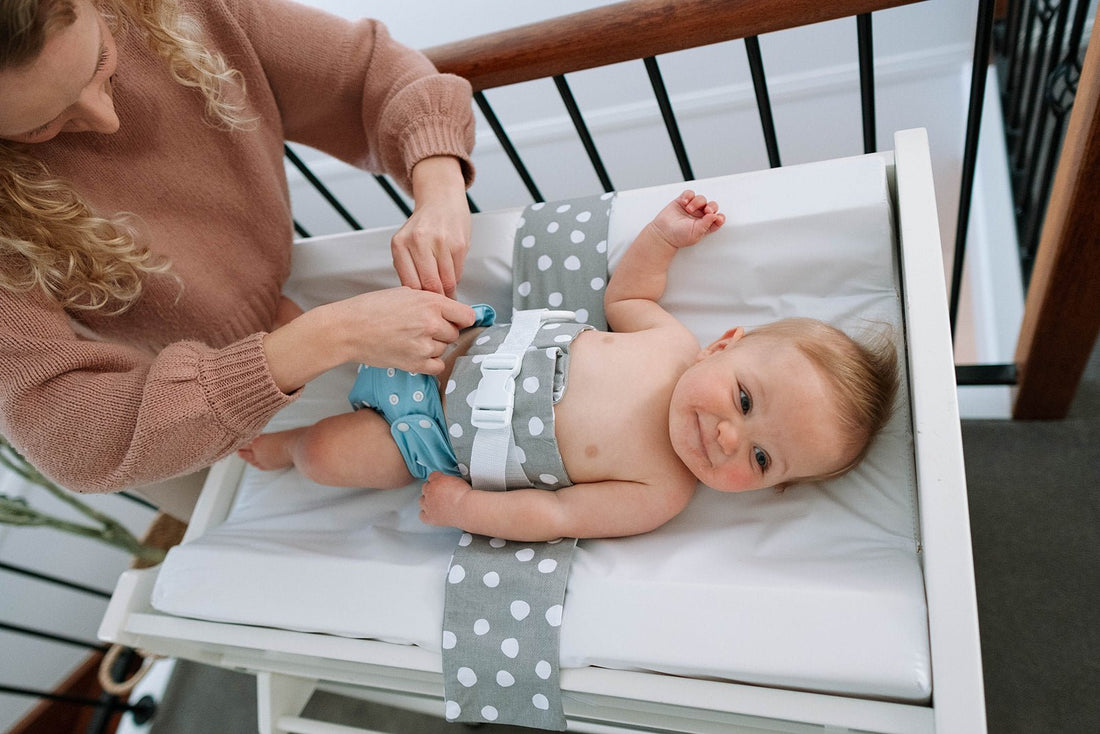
<point>50,237</point>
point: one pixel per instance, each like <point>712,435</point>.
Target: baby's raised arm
<point>639,281</point>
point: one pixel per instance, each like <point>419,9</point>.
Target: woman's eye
<point>746,402</point>
<point>102,60</point>
<point>761,458</point>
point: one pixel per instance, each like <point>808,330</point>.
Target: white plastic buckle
<point>496,391</point>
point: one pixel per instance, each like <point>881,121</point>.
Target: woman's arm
<point>429,251</point>
<point>100,417</point>
<point>396,327</point>
<point>348,88</point>
<point>383,107</point>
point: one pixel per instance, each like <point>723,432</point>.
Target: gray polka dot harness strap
<point>505,601</point>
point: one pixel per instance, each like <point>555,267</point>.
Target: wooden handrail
<point>1062,312</point>
<point>628,30</point>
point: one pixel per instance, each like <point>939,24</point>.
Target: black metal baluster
<point>1061,89</point>
<point>39,576</point>
<point>109,704</point>
<point>138,500</point>
<point>1004,33</point>
<point>986,374</point>
<point>1036,41</point>
<point>320,187</point>
<point>472,205</point>
<point>663,102</point>
<point>582,131</point>
<point>763,101</point>
<point>51,636</point>
<point>142,708</point>
<point>982,43</point>
<point>1029,144</point>
<point>394,196</point>
<point>867,81</point>
<point>506,143</point>
<point>302,231</point>
<point>1017,71</point>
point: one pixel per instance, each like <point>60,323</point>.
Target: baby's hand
<point>440,498</point>
<point>687,219</point>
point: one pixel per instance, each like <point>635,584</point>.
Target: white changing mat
<point>818,588</point>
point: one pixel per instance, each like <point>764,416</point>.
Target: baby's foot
<point>269,451</point>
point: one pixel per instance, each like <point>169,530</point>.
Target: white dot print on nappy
<point>467,677</point>
<point>519,610</point>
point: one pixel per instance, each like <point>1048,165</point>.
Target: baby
<point>633,417</point>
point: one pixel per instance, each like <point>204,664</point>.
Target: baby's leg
<point>345,450</point>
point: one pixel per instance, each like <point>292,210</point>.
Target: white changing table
<point>291,656</point>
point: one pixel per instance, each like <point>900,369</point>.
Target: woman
<point>145,223</point>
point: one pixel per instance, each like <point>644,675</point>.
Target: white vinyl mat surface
<point>818,588</point>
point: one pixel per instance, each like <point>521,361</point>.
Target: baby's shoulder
<point>673,484</point>
<point>670,341</point>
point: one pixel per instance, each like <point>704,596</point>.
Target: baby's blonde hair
<point>50,237</point>
<point>863,375</point>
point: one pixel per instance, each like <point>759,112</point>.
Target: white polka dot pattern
<point>560,258</point>
<point>500,637</point>
<point>504,600</point>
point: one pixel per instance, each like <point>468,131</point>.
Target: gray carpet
<point>1034,492</point>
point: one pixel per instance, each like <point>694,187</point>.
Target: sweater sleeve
<point>99,417</point>
<point>347,88</point>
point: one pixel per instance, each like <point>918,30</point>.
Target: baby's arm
<point>630,301</point>
<point>594,510</point>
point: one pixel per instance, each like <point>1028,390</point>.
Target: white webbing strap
<point>496,396</point>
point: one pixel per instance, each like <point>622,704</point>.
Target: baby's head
<point>796,400</point>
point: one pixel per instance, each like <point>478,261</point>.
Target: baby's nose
<point>728,438</point>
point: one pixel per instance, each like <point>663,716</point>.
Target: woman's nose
<point>94,112</point>
<point>728,437</point>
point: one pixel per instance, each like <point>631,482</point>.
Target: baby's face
<point>754,413</point>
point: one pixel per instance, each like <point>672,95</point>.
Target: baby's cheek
<point>732,479</point>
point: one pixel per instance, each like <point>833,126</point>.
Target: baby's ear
<point>731,337</point>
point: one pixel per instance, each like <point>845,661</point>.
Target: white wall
<point>813,84</point>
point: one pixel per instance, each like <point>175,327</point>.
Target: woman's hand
<point>401,327</point>
<point>396,327</point>
<point>429,251</point>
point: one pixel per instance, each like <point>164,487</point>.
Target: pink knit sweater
<point>180,379</point>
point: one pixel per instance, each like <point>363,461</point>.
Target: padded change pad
<point>818,588</point>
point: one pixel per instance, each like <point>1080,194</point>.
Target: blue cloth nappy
<point>410,403</point>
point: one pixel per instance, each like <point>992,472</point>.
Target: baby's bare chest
<point>612,420</point>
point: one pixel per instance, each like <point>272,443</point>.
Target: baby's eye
<point>761,458</point>
<point>746,402</point>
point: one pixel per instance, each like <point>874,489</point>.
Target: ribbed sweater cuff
<point>239,387</point>
<point>437,135</point>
